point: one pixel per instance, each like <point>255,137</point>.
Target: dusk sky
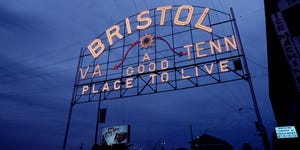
<point>40,44</point>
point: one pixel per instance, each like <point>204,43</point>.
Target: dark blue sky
<point>40,43</point>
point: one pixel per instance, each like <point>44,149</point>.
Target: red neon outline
<point>137,42</point>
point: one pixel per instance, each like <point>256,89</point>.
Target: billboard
<point>119,134</point>
<point>158,50</point>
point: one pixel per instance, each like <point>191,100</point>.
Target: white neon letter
<point>183,76</point>
<point>141,68</point>
<point>146,57</point>
<point>145,19</point>
<point>224,66</point>
<point>94,91</point>
<point>84,75</point>
<point>84,89</point>
<point>105,87</point>
<point>151,69</point>
<point>228,42</point>
<point>198,49</point>
<point>130,71</point>
<point>188,18</point>
<point>97,71</point>
<point>200,21</point>
<point>214,46</point>
<point>163,13</point>
<point>128,27</point>
<point>164,64</point>
<point>94,48</point>
<point>196,71</point>
<point>116,33</point>
<point>152,76</point>
<point>209,71</point>
<point>117,85</point>
<point>129,83</point>
<point>164,77</point>
<point>188,50</point>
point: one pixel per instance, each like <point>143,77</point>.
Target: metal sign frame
<point>162,57</point>
<point>190,46</point>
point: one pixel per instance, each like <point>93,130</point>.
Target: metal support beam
<point>73,102</point>
<point>262,129</point>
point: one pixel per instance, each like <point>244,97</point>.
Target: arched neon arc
<point>138,42</point>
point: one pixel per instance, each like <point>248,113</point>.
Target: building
<point>208,142</point>
<point>283,47</point>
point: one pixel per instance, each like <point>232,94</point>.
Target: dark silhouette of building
<point>182,149</point>
<point>111,147</point>
<point>247,146</point>
<point>208,142</point>
<point>283,46</point>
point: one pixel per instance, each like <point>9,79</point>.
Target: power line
<point>251,60</point>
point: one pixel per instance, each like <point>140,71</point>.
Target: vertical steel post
<point>72,102</point>
<point>191,130</point>
<point>262,129</point>
<point>98,120</point>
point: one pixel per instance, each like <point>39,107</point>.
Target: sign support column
<point>98,119</point>
<point>72,102</point>
<point>261,127</point>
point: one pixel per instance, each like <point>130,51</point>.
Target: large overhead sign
<point>163,49</point>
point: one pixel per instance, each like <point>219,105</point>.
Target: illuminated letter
<point>146,19</point>
<point>129,83</point>
<point>164,64</point>
<point>93,89</point>
<point>152,78</point>
<point>130,71</point>
<point>86,71</point>
<point>97,71</point>
<point>146,57</point>
<point>116,85</point>
<point>224,66</point>
<point>188,50</point>
<point>209,71</point>
<point>94,46</point>
<point>163,13</point>
<point>128,27</point>
<point>188,18</point>
<point>141,69</point>
<point>232,44</point>
<point>198,49</point>
<point>214,46</point>
<point>115,33</point>
<point>200,21</point>
<point>183,76</point>
<point>196,70</point>
<point>153,68</point>
<point>166,75</point>
<point>84,89</point>
<point>105,87</point>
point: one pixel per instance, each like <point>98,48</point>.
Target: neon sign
<point>158,50</point>
<point>97,47</point>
